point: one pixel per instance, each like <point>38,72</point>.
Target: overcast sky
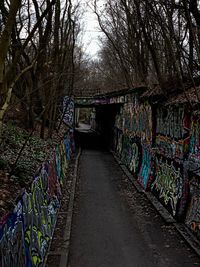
<point>91,30</point>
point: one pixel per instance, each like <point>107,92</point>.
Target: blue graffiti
<point>145,169</point>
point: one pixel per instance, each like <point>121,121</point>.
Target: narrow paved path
<point>115,226</point>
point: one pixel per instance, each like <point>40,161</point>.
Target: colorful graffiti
<point>131,153</point>
<point>25,233</point>
<point>137,119</point>
<point>171,141</point>
<point>135,155</point>
<point>169,183</point>
<point>68,111</point>
<point>193,213</point>
<point>170,149</point>
<point>170,122</point>
<point>173,132</point>
<point>11,239</point>
<point>145,174</point>
<point>165,154</point>
<point>194,146</point>
<point>135,123</point>
<point>142,122</point>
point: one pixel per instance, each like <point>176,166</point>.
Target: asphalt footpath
<point>114,225</point>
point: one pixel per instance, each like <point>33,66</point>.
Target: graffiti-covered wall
<point>172,148</point>
<point>25,233</point>
<point>193,211</point>
<point>173,132</point>
<point>161,147</point>
<point>193,171</point>
<point>133,138</point>
<point>68,111</point>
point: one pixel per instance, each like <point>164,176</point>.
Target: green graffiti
<point>169,184</point>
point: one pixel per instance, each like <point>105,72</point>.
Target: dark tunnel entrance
<point>105,120</point>
<point>95,126</point>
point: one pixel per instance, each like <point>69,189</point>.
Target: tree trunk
<point>6,36</point>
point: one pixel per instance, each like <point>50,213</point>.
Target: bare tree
<point>154,41</point>
<point>37,46</point>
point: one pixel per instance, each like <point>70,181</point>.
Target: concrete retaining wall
<point>25,233</point>
<point>161,147</point>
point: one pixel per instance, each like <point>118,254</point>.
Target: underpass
<point>102,124</point>
<point>115,223</point>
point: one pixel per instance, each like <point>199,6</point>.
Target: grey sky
<point>91,29</point>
